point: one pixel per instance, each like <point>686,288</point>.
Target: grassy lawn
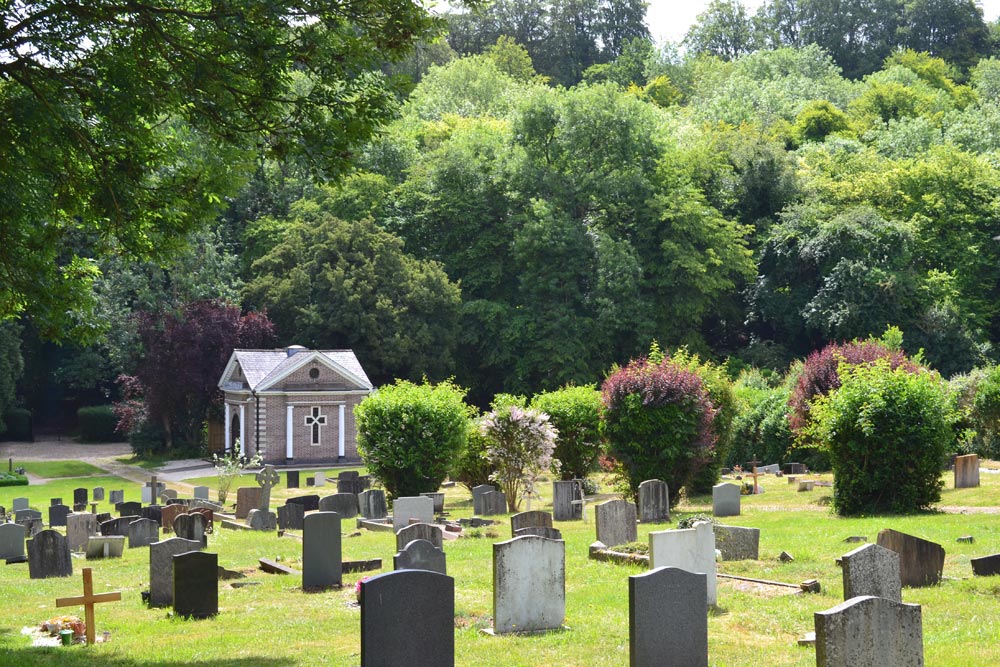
<point>54,469</point>
<point>148,463</point>
<point>276,623</point>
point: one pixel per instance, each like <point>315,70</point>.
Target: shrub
<point>18,421</point>
<point>658,422</point>
<point>98,424</point>
<point>472,467</point>
<point>410,434</point>
<point>978,422</point>
<point>12,479</point>
<point>986,411</point>
<point>887,431</point>
<point>576,414</point>
<point>521,441</point>
<point>760,428</point>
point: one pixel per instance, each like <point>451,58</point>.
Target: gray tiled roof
<point>261,365</point>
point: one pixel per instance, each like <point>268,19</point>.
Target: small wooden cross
<point>88,600</point>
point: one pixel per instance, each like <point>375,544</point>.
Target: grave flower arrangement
<point>357,588</point>
<point>54,625</point>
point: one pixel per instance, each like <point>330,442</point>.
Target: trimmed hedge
<point>12,479</point>
<point>18,422</point>
<point>97,424</point>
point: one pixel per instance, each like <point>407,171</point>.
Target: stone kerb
<point>529,584</point>
<point>691,549</point>
<point>869,631</point>
<point>616,522</point>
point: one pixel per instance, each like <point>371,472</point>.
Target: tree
<point>409,434</point>
<point>953,30</point>
<point>520,447</point>
<point>724,30</point>
<point>11,367</point>
<point>575,412</point>
<point>126,124</point>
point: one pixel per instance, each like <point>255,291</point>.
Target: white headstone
<point>691,549</point>
<point>404,509</point>
<point>725,500</point>
<point>529,584</point>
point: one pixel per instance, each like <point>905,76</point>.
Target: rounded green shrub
<point>576,414</point>
<point>887,431</point>
<point>472,466</point>
<point>410,434</point>
<point>18,422</point>
<point>97,424</point>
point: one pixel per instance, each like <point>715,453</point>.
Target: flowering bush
<point>521,441</point>
<point>230,465</point>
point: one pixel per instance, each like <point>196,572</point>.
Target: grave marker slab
<point>420,555</point>
<point>153,513</point>
<point>529,584</point>
<point>105,546</point>
<point>247,498</point>
<point>349,481</point>
<point>494,502</point>
<point>116,496</point>
<point>966,471</point>
<point>691,549</point>
<point>201,492</point>
<point>130,508</point>
<point>477,497</point>
<point>344,504</point>
<point>57,515</point>
<point>419,531</point>
<point>438,499</point>
<point>80,496</point>
<point>737,543</point>
<point>19,504</point>
<point>196,584</point>
<point>319,479</point>
<point>161,568</point>
<point>408,618</point>
<point>32,524</point>
<point>564,492</point>
<point>921,562</point>
<point>117,526</point>
<point>871,570</point>
<point>725,500</point>
<point>291,516</point>
<point>190,526</point>
<point>55,501</point>
<point>530,519</point>
<point>142,533</point>
<point>292,479</point>
<point>79,527</point>
<point>986,566</point>
<point>98,493</point>
<point>868,631</point>
<point>539,531</point>
<point>654,501</point>
<point>309,503</point>
<point>261,520</point>
<point>406,508</point>
<point>616,522</point>
<point>48,556</point>
<point>12,541</point>
<point>321,549</point>
<point>372,504</point>
<point>664,624</point>
<point>169,514</point>
<point>23,515</point>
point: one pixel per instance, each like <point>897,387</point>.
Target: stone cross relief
<point>314,421</point>
<point>267,478</point>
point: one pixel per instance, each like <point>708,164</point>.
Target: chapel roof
<point>260,367</point>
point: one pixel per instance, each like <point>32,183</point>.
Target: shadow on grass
<point>81,656</point>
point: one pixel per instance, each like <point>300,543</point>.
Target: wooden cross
<point>88,600</point>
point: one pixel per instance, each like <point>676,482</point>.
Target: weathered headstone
<point>349,481</point>
<point>986,566</point>
<point>539,531</point>
<point>420,555</point>
<point>564,493</point>
<point>408,618</point>
<point>529,584</point>
<point>769,469</point>
<point>19,504</point>
<point>80,496</point>
<point>48,556</point>
<point>869,631</point>
<point>153,513</point>
<point>372,504</point>
<point>319,479</point>
<point>196,584</point>
<point>966,471</point>
<point>105,546</point>
<point>98,493</point>
<point>725,500</point>
<point>31,524</point>
<point>871,570</point>
<point>116,496</point>
<point>291,516</point>
<point>292,479</point>
<point>321,566</point>
<point>209,516</point>
<point>419,531</point>
<point>161,568</point>
<point>57,515</point>
<point>654,501</point>
<point>309,503</point>
<point>477,497</point>
<point>142,533</point>
<point>616,522</point>
<point>130,508</point>
<point>806,485</point>
<point>793,468</point>
<point>267,479</point>
<point>12,541</point>
<point>344,504</point>
<point>151,490</point>
<point>167,495</point>
<point>79,527</point>
<point>117,526</point>
<point>530,519</point>
<point>737,543</point>
<point>921,562</point>
<point>411,507</point>
<point>262,520</point>
<point>247,498</point>
<point>438,499</point>
<point>665,626</point>
<point>25,514</point>
<point>691,549</point>
<point>190,526</point>
<point>201,492</point>
<point>494,502</point>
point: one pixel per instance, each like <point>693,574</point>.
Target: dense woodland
<point>530,195</point>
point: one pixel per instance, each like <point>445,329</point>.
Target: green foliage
<point>760,429</point>
<point>231,465</point>
<point>410,434</point>
<point>11,367</point>
<point>12,479</point>
<point>472,466</point>
<point>97,424</point>
<point>19,428</point>
<point>818,120</point>
<point>575,412</point>
<point>520,444</point>
<point>724,30</point>
<point>887,431</point>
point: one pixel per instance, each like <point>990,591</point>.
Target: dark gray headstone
<point>161,568</point>
<point>22,515</point>
<point>80,496</point>
<point>494,502</point>
<point>372,504</point>
<point>539,531</point>
<point>19,504</point>
<point>309,503</point>
<point>793,469</point>
<point>419,531</point>
<point>737,542</point>
<point>196,584</point>
<point>102,517</point>
<point>130,508</point>
<point>616,522</point>
<point>921,562</point>
<point>153,513</point>
<point>350,482</point>
<point>57,515</point>
<point>420,555</point>
<point>291,516</point>
<point>871,570</point>
<point>986,566</point>
<point>190,526</point>
<point>654,501</point>
<point>665,626</point>
<point>117,526</point>
<point>408,618</point>
<point>292,479</point>
<point>32,525</point>
<point>12,540</point>
<point>48,556</point>
<point>142,533</point>
<point>477,497</point>
<point>438,499</point>
<point>531,519</point>
<point>79,527</point>
<point>98,493</point>
<point>321,565</point>
<point>344,504</point>
<point>116,496</point>
<point>872,631</point>
<point>55,501</point>
<point>564,493</point>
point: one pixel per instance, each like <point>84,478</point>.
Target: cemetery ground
<point>268,619</point>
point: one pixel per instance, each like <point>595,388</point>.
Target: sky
<point>670,19</point>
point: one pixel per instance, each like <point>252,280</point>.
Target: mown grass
<point>54,469</point>
<point>275,623</point>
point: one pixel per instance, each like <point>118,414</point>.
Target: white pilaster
<point>243,429</point>
<point>228,436</point>
<point>340,432</point>
<point>289,443</point>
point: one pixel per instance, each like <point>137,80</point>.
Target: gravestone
<point>319,479</point>
<point>869,631</point>
<point>411,507</point>
<point>80,496</point>
<point>196,584</point>
<point>57,515</point>
<point>871,570</point>
<point>921,562</point>
<point>55,501</point>
<point>116,496</point>
<point>130,508</point>
<point>769,469</point>
<point>438,499</point>
<point>117,526</point>
<point>539,531</point>
<point>616,522</point>
<point>153,513</point>
<point>102,517</point>
<point>25,514</point>
<point>419,531</point>
<point>966,471</point>
<point>986,566</point>
<point>201,492</point>
<point>19,504</point>
<point>477,497</point>
<point>408,618</point>
<point>725,500</point>
<point>79,527</point>
<point>564,493</point>
<point>149,493</point>
<point>494,502</point>
<point>48,556</point>
<point>321,565</point>
<point>209,516</point>
<point>344,504</point>
<point>654,501</point>
<point>794,469</point>
<point>737,543</point>
<point>167,495</point>
<point>291,516</point>
<point>12,541</point>
<point>262,520</point>
<point>350,482</point>
<point>292,479</point>
<point>142,533</point>
<point>247,498</point>
<point>105,546</point>
<point>169,514</point>
<point>806,485</point>
<point>530,519</point>
<point>420,555</point>
<point>98,493</point>
<point>31,524</point>
<point>267,479</point>
<point>161,568</point>
<point>372,504</point>
<point>665,626</point>
<point>191,526</point>
<point>691,549</point>
<point>309,503</point>
<point>529,584</point>
<point>81,507</point>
